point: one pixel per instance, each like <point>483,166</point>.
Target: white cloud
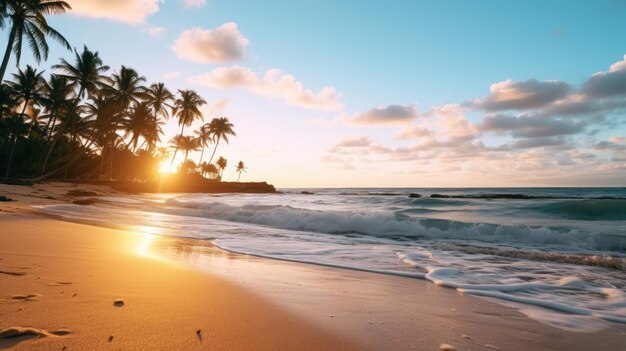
<point>618,66</point>
<point>608,84</point>
<point>156,32</point>
<point>354,141</point>
<point>413,132</point>
<point>530,94</point>
<point>274,83</point>
<point>386,115</point>
<point>194,3</point>
<point>222,44</point>
<point>128,11</point>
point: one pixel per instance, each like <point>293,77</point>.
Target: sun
<point>166,167</point>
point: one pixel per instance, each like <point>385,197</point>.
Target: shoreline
<point>366,308</point>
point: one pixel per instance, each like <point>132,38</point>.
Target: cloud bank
<point>128,11</point>
<point>387,115</point>
<point>273,83</point>
<point>510,95</point>
<point>220,45</point>
<point>530,131</point>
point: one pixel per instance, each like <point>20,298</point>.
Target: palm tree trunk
<point>24,108</point>
<point>186,154</point>
<point>58,135</point>
<point>7,53</point>
<point>215,149</point>
<point>238,177</point>
<point>111,164</point>
<point>140,146</point>
<point>101,164</point>
<point>201,155</point>
<point>51,122</point>
<point>6,173</point>
<point>176,150</point>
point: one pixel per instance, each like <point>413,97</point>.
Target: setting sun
<point>167,167</point>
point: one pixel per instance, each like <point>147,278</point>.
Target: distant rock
<point>190,184</point>
<point>118,303</point>
<point>5,199</point>
<point>307,193</point>
<point>414,195</point>
<point>440,196</point>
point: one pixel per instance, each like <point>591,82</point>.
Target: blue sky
<point>415,56</point>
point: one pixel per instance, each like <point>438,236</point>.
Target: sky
<point>385,94</point>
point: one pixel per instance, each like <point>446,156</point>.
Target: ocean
<point>560,253</point>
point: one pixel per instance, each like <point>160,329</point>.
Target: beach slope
<point>78,287</point>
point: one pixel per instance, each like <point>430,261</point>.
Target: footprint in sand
<point>17,274</point>
<point>30,297</point>
<point>16,332</point>
<point>60,283</point>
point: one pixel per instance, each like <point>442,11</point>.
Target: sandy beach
<point>71,286</point>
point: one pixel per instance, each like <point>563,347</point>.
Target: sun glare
<point>166,167</point>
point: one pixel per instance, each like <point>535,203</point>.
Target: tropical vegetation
<point>85,120</point>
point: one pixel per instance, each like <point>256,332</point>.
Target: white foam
<point>514,263</point>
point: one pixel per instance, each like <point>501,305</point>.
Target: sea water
<point>560,253</point>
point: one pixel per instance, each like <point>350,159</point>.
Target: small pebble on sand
<point>118,303</point>
<point>446,347</point>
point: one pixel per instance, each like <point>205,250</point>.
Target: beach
<point>76,286</point>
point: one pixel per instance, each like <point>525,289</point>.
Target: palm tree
<point>221,164</point>
<point>158,98</point>
<point>57,97</point>
<point>220,128</point>
<point>184,143</point>
<point>210,169</point>
<point>204,137</point>
<point>162,153</point>
<point>28,22</point>
<point>27,85</point>
<point>102,112</point>
<point>87,75</point>
<point>141,123</point>
<point>187,167</point>
<point>126,87</point>
<point>240,168</point>
<point>187,110</point>
<point>3,13</point>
